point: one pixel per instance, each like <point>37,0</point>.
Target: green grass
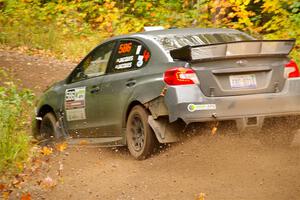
<point>14,151</point>
<point>15,109</point>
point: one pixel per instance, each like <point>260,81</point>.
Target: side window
<point>95,63</point>
<point>130,55</point>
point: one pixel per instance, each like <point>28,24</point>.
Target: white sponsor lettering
<point>123,65</point>
<point>125,59</point>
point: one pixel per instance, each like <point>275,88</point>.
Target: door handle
<point>130,83</point>
<point>95,89</point>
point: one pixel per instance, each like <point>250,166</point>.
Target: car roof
<point>179,31</point>
<point>189,31</point>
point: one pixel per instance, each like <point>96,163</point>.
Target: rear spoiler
<point>236,49</point>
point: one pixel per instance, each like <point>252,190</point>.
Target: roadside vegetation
<point>15,111</point>
<point>70,28</point>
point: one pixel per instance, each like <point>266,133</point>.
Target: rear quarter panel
<point>150,82</point>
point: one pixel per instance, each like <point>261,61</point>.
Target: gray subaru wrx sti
<point>137,89</point>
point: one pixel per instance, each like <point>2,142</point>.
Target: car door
<point>82,104</point>
<point>122,76</point>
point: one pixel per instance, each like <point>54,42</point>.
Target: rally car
<point>137,89</point>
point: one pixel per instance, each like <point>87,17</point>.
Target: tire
<point>141,140</point>
<point>277,133</point>
<point>49,127</point>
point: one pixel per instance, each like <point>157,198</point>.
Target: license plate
<point>243,81</point>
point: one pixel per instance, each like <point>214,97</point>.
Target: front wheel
<point>140,138</point>
<point>49,128</point>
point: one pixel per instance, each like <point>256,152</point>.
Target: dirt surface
<point>220,167</point>
<point>34,72</point>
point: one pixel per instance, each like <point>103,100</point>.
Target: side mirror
<point>81,75</point>
<point>76,75</point>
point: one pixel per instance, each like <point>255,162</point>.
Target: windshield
<point>170,42</point>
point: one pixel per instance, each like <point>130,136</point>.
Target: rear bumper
<point>189,104</point>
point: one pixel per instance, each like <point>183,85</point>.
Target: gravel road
<point>219,167</point>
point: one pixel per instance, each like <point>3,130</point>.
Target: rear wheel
<point>141,140</point>
<point>278,132</point>
<point>49,127</point>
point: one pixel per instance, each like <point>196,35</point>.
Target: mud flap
<point>165,132</point>
<point>60,127</point>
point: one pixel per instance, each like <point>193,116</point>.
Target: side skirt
<point>101,142</point>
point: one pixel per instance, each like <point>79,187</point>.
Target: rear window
<point>130,55</point>
<point>170,42</point>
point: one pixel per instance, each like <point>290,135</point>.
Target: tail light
<point>291,70</point>
<point>180,76</point>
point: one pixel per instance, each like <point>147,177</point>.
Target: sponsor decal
<point>125,59</point>
<point>197,107</point>
<point>75,103</point>
<point>123,65</point>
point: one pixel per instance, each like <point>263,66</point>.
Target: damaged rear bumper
<point>189,104</point>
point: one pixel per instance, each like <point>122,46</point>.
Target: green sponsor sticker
<point>195,107</point>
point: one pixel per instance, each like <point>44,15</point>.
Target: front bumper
<point>179,100</point>
<point>35,124</point>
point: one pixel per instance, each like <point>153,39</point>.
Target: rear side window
<point>130,55</point>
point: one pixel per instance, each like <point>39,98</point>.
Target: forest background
<point>70,28</point>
